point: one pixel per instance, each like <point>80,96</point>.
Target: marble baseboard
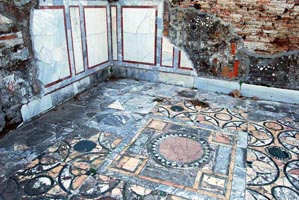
<point>38,106</point>
<point>213,85</point>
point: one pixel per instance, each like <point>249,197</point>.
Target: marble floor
<point>128,139</point>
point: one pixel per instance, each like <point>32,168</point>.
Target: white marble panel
<point>167,53</point>
<point>139,34</point>
<point>50,45</point>
<point>77,39</point>
<point>185,62</point>
<point>96,35</point>
<point>114,31</point>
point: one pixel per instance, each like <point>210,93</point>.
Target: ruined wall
<point>16,71</point>
<point>44,58</point>
<point>252,41</point>
<point>266,26</point>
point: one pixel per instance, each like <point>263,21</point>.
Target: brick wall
<point>252,41</point>
<point>266,26</point>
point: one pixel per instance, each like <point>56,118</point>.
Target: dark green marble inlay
<point>85,146</point>
<point>177,108</point>
<point>278,153</point>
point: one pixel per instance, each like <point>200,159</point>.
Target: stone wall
<point>16,70</point>
<point>252,41</point>
<point>266,26</point>
<point>37,39</point>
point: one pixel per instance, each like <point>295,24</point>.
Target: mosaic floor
<point>198,160</point>
<point>273,147</point>
<point>132,139</point>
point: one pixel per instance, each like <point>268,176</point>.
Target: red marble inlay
<point>8,37</point>
<point>236,68</point>
<point>233,48</point>
<point>180,149</point>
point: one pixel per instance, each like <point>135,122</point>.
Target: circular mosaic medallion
<point>290,140</point>
<point>85,146</point>
<point>10,189</point>
<point>223,116</point>
<point>261,169</point>
<point>38,185</point>
<point>179,150</point>
<point>273,126</point>
<point>291,171</point>
<point>282,192</point>
<point>278,153</point>
<point>259,136</point>
<point>177,108</point>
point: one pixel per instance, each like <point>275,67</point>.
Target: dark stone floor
<point>129,139</point>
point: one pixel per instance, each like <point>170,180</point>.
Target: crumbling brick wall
<point>266,26</point>
<point>16,69</point>
<point>253,41</point>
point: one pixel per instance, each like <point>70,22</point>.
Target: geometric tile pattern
<point>196,111</point>
<point>273,146</point>
<point>67,170</point>
<point>183,149</point>
<point>272,161</point>
<point>62,169</point>
<point>163,152</point>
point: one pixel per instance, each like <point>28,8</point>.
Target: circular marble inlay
<point>177,108</point>
<point>85,146</point>
<point>179,150</point>
<point>278,153</point>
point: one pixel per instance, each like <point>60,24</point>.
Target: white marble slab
<point>167,53</point>
<point>35,107</point>
<point>50,45</point>
<point>185,62</point>
<point>96,35</point>
<point>114,31</point>
<point>139,34</point>
<point>176,79</point>
<point>77,39</point>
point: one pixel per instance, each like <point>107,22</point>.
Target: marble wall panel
<point>114,31</point>
<point>96,35</point>
<point>76,39</point>
<point>139,34</point>
<point>167,55</point>
<point>184,61</point>
<point>50,45</point>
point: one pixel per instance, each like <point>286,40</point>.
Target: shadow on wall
<point>236,43</point>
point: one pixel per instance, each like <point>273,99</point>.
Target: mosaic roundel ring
<point>179,150</point>
<point>283,192</point>
<point>291,170</point>
<point>39,185</point>
<point>290,140</point>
